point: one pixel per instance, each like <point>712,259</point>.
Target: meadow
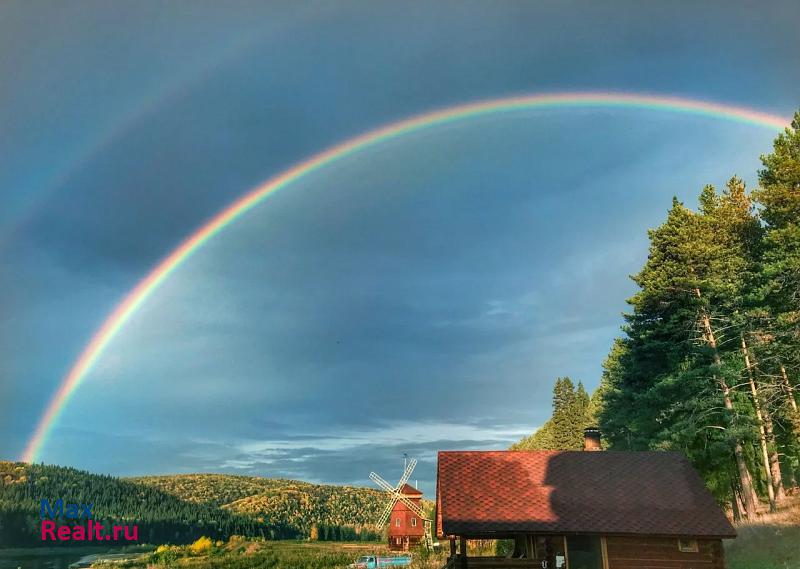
<point>771,543</point>
<point>242,553</point>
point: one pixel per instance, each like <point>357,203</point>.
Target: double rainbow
<point>142,291</point>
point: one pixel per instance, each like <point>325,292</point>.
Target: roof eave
<point>481,533</point>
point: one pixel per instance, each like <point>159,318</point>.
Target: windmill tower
<point>408,525</point>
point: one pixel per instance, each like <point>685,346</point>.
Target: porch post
<point>463,553</point>
<point>452,546</point>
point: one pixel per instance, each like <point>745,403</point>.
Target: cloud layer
<point>422,295</point>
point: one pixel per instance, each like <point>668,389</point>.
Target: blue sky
<point>421,295</point>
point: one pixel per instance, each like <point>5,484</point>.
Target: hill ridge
<point>180,507</point>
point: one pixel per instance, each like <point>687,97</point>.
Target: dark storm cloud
<point>199,150</point>
<point>441,280</point>
<point>315,459</point>
<point>290,317</point>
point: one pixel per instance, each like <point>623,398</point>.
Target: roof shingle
<point>619,493</point>
<point>409,490</point>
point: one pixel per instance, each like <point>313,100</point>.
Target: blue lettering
<point>57,509</point>
<point>53,513</point>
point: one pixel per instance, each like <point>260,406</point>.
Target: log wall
<point>662,553</point>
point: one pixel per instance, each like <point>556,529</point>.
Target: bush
<point>201,546</point>
<point>164,555</point>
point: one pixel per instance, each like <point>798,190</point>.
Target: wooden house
<point>579,510</point>
<point>406,528</point>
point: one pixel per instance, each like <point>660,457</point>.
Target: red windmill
<point>408,524</point>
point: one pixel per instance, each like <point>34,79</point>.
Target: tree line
<point>162,516</point>
<point>339,513</point>
<point>573,411</point>
<point>709,358</point>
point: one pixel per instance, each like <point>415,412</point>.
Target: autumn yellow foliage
<point>201,546</point>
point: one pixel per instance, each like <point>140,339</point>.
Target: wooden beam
<point>604,551</point>
<point>463,553</point>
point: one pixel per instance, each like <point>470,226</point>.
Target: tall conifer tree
<point>779,197</point>
<point>676,365</point>
<point>564,429</point>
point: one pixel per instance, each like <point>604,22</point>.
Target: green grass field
<point>252,554</point>
<point>757,547</point>
<point>772,543</point>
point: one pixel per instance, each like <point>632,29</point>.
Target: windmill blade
<point>408,503</point>
<point>398,494</point>
<point>407,474</point>
<point>384,517</point>
<point>381,482</point>
<point>411,505</point>
<point>387,511</point>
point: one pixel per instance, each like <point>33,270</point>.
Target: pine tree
<point>734,273</point>
<point>676,366</point>
<point>571,415</point>
<point>779,197</point>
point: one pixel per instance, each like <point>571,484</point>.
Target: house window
<point>397,522</point>
<point>688,545</point>
<point>414,522</point>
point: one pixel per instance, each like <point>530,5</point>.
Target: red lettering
<point>63,533</point>
<point>48,526</point>
<point>78,533</point>
<point>134,535</point>
<point>97,529</point>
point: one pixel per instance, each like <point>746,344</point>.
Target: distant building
<point>406,529</point>
<point>579,510</point>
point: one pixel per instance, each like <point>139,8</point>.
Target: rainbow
<point>145,288</point>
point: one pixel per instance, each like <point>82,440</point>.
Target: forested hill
<point>708,361</point>
<point>159,515</point>
<point>181,508</point>
<point>292,503</point>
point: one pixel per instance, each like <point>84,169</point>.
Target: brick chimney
<point>591,439</point>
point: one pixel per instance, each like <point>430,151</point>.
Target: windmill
<point>396,494</point>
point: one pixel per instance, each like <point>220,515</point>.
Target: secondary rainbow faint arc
<point>142,291</point>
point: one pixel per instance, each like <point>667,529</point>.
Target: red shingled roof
<point>409,490</point>
<point>481,493</point>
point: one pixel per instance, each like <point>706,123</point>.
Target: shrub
<point>201,546</point>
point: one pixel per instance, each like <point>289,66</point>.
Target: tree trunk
<point>772,467</point>
<point>746,481</point>
<point>739,499</point>
<point>795,417</point>
<point>792,480</point>
<point>748,491</point>
<point>737,512</point>
<point>774,461</point>
<point>789,390</point>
